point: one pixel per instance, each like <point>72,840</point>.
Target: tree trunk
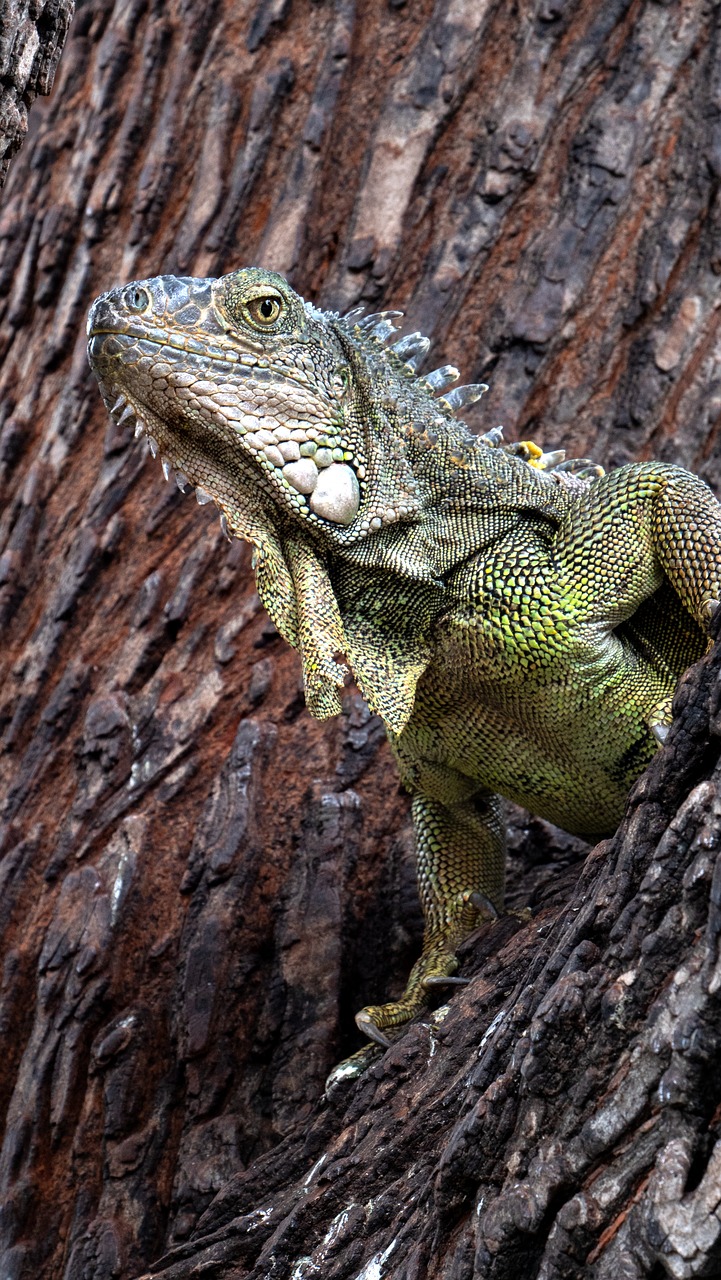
<point>199,885</point>
<point>32,35</point>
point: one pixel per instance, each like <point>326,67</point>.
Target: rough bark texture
<point>198,884</point>
<point>32,35</point>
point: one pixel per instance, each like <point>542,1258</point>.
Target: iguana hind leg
<point>460,852</point>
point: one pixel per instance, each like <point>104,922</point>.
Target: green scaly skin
<point>519,629</point>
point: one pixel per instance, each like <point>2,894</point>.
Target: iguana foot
<point>435,967</point>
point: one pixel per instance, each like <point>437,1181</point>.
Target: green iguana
<point>519,628</point>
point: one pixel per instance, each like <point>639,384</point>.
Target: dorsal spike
<point>415,344</point>
<point>439,379</point>
<point>381,332</point>
<point>493,438</point>
<point>355,313</point>
<point>314,312</point>
<point>369,322</point>
<point>461,396</point>
<point>581,467</point>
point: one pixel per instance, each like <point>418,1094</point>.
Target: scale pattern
<point>519,621</point>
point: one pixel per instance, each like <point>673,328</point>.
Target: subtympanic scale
<point>336,496</point>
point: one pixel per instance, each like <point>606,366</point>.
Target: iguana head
<point>282,413</point>
<point>251,394</point>
<point>239,388</point>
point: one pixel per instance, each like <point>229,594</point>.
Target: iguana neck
<point>470,496</point>
<point>376,601</point>
<point>454,492</point>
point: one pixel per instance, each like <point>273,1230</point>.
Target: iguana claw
<point>482,903</point>
<point>660,731</point>
<point>449,980</point>
<point>365,1023</point>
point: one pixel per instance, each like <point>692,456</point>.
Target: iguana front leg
<point>460,851</point>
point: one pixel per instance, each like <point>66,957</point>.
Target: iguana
<point>519,628</point>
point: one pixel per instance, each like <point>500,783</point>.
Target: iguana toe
<point>366,1023</point>
<point>446,980</point>
<point>351,1068</point>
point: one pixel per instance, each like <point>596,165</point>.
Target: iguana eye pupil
<point>265,310</point>
<point>137,299</point>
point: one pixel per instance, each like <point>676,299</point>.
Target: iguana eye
<point>136,299</point>
<point>264,311</point>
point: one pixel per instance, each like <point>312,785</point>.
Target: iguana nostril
<point>136,299</point>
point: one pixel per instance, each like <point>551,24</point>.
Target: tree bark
<point>199,885</point>
<point>32,36</point>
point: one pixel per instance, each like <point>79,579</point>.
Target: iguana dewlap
<point>519,628</point>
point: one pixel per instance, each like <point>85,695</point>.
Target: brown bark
<point>32,35</point>
<point>199,884</point>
